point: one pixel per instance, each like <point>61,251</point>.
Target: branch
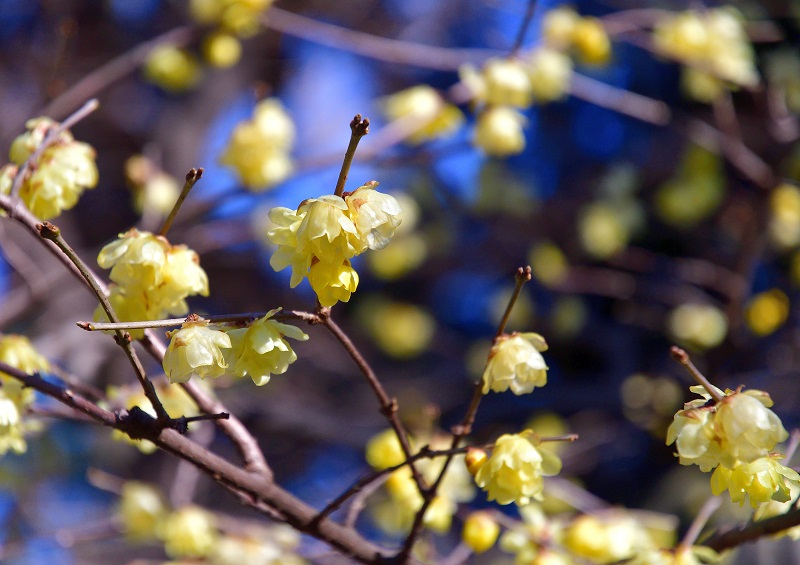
<point>728,538</point>
<point>258,489</point>
<point>372,46</point>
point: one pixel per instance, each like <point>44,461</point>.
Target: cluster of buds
<point>58,178</point>
<point>153,278</point>
<point>258,149</point>
<point>258,350</point>
<point>735,436</point>
<point>18,352</point>
<point>714,47</point>
<point>319,238</point>
<point>395,512</point>
<point>504,86</point>
<point>192,532</point>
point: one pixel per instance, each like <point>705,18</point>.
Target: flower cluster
<point>514,472</point>
<point>714,47</point>
<point>259,350</point>
<point>64,170</point>
<point>153,278</point>
<point>429,115</point>
<point>172,68</point>
<point>18,352</point>
<point>319,238</point>
<point>258,149</point>
<point>736,436</point>
<point>516,363</point>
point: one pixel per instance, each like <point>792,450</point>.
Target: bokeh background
<point>641,235</point>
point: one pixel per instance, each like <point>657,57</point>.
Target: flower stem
<point>191,178</point>
<point>51,232</point>
<point>683,358</point>
<point>523,275</point>
<point>359,127</point>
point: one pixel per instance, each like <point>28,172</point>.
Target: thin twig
<point>683,358</point>
<point>709,507</point>
<point>359,127</point>
<point>388,405</point>
<point>192,177</point>
<point>523,275</point>
<point>523,28</point>
<point>216,319</point>
<point>620,100</point>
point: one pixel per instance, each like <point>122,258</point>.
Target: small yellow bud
<point>480,531</point>
<point>591,41</point>
<point>474,460</point>
<point>222,50</point>
<point>384,450</point>
<point>499,131</point>
<point>507,83</point>
<point>767,311</point>
<point>550,72</point>
<point>173,69</point>
<point>558,27</point>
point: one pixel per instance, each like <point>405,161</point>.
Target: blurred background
<point>648,221</point>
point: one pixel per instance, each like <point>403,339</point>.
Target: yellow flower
<point>18,352</point>
<point>182,276</point>
<point>258,149</point>
<point>333,283</point>
<point>189,532</point>
<point>612,539</point>
<point>376,215</point>
<point>692,432</point>
<point>550,72</point>
<point>129,306</point>
<point>762,480</point>
<point>499,131</point>
<point>515,363</point>
<point>260,349</point>
<point>384,450</point>
<point>222,50</point>
<point>480,531</point>
<point>515,469</point>
<point>141,508</point>
<point>64,170</point>
<point>195,349</point>
<point>425,106</point>
<point>11,431</point>
<point>136,259</point>
<point>507,83</point>
<point>747,429</point>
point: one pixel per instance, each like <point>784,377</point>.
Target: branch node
<point>48,230</point>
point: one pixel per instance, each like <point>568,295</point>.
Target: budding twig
<point>683,358</point>
<point>359,127</point>
<point>192,177</point>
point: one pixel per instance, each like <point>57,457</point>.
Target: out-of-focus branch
<point>619,100</point>
<point>372,46</point>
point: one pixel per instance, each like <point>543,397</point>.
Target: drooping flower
<point>195,349</point>
<point>762,480</point>
<point>11,431</point>
<point>333,282</point>
<point>515,363</point>
<point>746,427</point>
<point>376,215</point>
<point>64,170</point>
<point>136,259</point>
<point>260,349</point>
<point>182,277</point>
<point>692,432</point>
<point>515,469</point>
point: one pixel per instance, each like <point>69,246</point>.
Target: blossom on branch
<point>195,349</point>
<point>516,363</point>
